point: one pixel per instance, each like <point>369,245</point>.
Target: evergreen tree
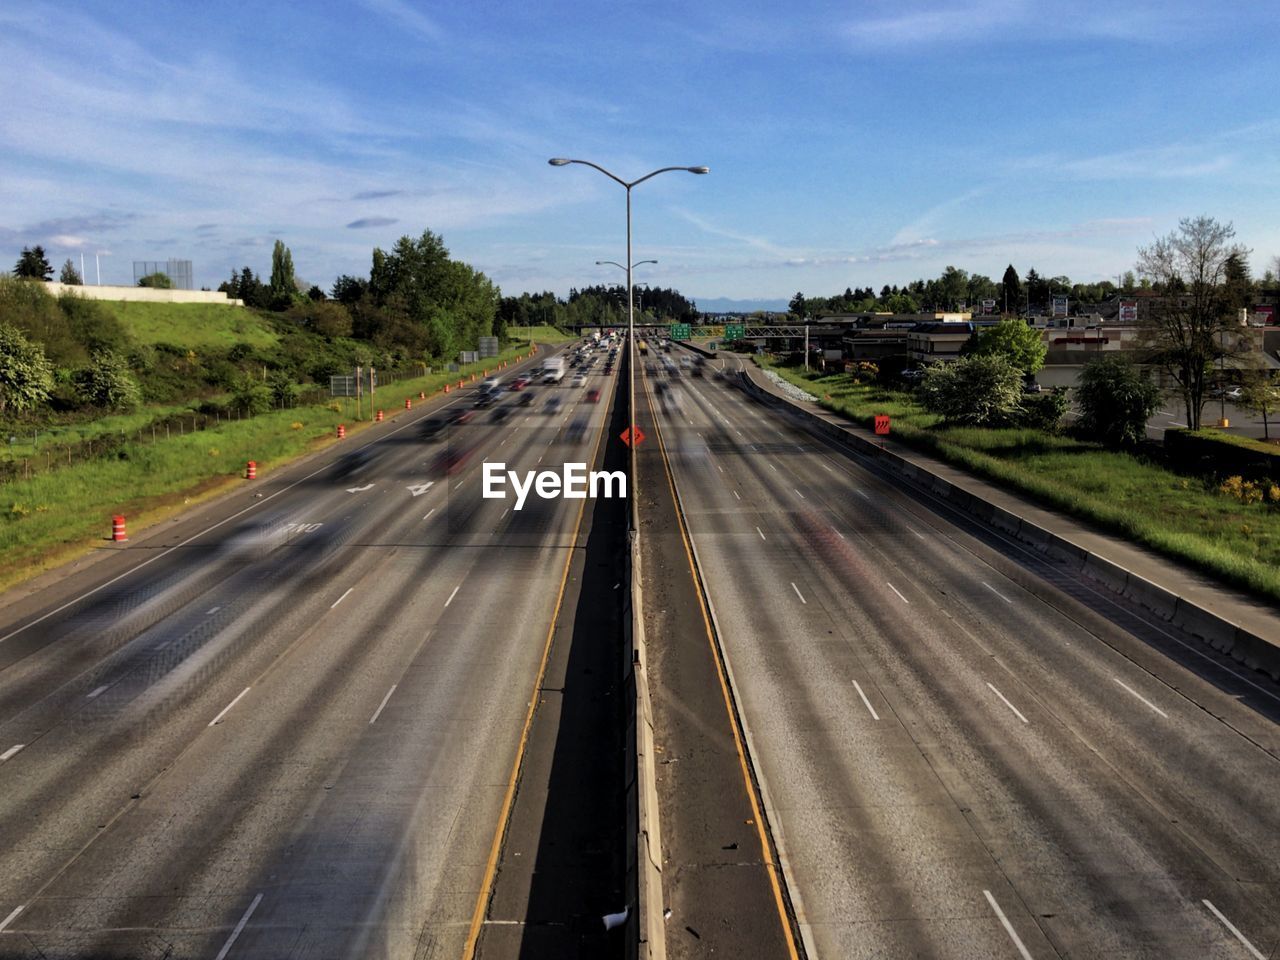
<point>70,275</point>
<point>33,264</point>
<point>1010,290</point>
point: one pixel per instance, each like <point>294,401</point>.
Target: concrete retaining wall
<point>142,294</point>
<point>1255,651</point>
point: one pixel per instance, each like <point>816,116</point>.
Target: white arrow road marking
<point>367,486</point>
<point>418,489</point>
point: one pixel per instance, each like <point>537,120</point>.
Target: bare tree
<point>1191,326</point>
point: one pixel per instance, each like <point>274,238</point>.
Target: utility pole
<point>806,346</point>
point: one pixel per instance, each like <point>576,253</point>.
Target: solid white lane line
<point>898,592</point>
<point>798,593</point>
<point>1008,927</point>
<point>870,708</point>
<point>761,532</point>
<point>838,533</point>
<point>916,532</point>
<point>996,592</point>
<point>1007,703</point>
<point>341,598</point>
<point>1216,912</point>
<point>826,468</point>
<point>735,493</point>
<point>429,513</point>
<point>862,494</point>
<point>211,611</point>
<point>229,706</point>
<point>452,595</point>
<point>799,494</point>
<point>773,468</point>
<point>11,751</point>
<point>378,712</point>
<point>460,482</point>
<point>505,510</point>
<point>11,917</point>
<point>1141,697</point>
<point>226,947</point>
<point>102,689</point>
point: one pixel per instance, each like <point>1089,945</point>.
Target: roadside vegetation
<point>1215,524</point>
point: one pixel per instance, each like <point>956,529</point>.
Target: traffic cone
<point>117,529</point>
<point>251,470</point>
<point>378,419</point>
<point>342,431</point>
<point>408,404</point>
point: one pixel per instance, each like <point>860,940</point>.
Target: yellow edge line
<point>495,849</point>
<point>722,673</point>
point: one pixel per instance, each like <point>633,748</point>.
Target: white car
<point>578,380</point>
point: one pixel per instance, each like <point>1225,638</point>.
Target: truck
<point>554,371</point>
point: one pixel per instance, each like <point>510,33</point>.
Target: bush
<point>1044,411</point>
<point>1116,399</point>
<point>978,391</point>
<point>157,281</point>
<point>107,383</point>
<point>284,392</point>
<point>251,396</point>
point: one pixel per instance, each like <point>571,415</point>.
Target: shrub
<point>251,396</point>
<point>107,383</point>
<point>978,391</point>
<point>1116,399</point>
<point>1045,411</point>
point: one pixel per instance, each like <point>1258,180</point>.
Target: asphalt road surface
<point>958,760</point>
<point>291,735</point>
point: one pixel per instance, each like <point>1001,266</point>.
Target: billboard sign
<point>1266,312</point>
<point>988,307</point>
<point>1060,306</point>
<point>1128,311</point>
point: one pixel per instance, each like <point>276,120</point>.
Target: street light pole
<point>631,312</point>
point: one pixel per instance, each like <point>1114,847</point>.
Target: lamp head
<point>690,169</point>
<point>557,161</point>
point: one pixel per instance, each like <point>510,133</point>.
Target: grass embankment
<point>1187,519</point>
<point>191,324</point>
<point>55,516</point>
<point>540,334</point>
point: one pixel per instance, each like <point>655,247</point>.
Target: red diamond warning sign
<point>632,435</point>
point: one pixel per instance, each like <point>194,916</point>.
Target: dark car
<point>526,398</point>
<point>593,395</point>
<point>500,414</point>
<point>482,400</point>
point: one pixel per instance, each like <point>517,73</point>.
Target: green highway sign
<point>680,331</point>
<point>735,331</point>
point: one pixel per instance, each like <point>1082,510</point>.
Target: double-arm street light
<point>627,185</point>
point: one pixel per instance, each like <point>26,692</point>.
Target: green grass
<point>52,516</point>
<point>540,334</point>
<point>191,325</point>
<point>1184,518</point>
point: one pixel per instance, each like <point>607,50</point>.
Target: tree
<point>1011,288</point>
<point>1116,399</point>
<point>157,280</point>
<point>1261,394</point>
<point>107,383</point>
<point>1186,329</point>
<point>283,283</point>
<point>70,275</point>
<point>1019,342</point>
<point>974,391</point>
<point>26,376</point>
<point>33,265</point>
<point>797,305</point>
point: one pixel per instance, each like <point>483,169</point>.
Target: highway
<point>955,760</point>
<point>292,734</point>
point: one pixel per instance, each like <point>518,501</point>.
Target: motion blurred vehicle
<point>483,400</point>
<point>526,398</point>
<point>353,465</point>
<point>519,383</point>
<point>500,413</point>
<point>450,460</point>
<point>555,370</point>
<point>578,381</point>
<point>552,405</point>
<point>489,385</point>
<point>593,395</point>
<point>431,428</point>
<point>576,430</point>
<point>457,417</point>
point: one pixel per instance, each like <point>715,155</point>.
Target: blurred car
<point>526,398</point>
<point>431,428</point>
<point>482,400</point>
<point>578,381</point>
<point>459,416</point>
<point>519,383</point>
<point>1032,388</point>
<point>576,429</point>
<point>500,413</point>
<point>353,465</point>
<point>593,395</point>
<point>553,404</point>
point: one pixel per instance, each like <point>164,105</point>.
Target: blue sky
<point>850,144</point>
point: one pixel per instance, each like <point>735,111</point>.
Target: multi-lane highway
<point>293,734</point>
<point>953,765</point>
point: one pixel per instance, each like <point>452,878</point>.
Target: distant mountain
<point>727,305</point>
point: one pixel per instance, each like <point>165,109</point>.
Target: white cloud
<point>407,16</point>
